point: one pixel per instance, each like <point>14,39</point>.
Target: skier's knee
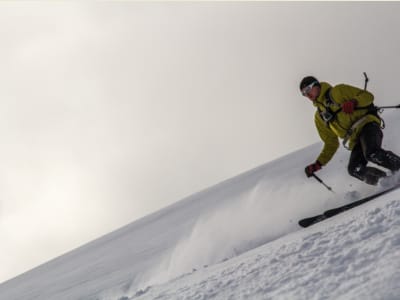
<point>375,156</point>
<point>384,158</point>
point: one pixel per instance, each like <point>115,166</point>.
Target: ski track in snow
<point>341,258</point>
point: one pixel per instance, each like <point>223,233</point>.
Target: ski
<point>334,211</point>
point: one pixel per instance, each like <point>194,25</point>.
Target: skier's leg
<point>371,141</point>
<point>358,166</point>
<point>358,169</point>
<point>357,163</point>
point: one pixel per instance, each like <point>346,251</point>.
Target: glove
<point>311,169</point>
<point>349,106</point>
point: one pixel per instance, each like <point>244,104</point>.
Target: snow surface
<point>240,240</point>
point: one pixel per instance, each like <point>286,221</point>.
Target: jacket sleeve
<point>344,92</point>
<point>329,138</point>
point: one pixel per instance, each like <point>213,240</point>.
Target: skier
<point>347,112</point>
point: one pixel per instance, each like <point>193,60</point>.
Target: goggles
<point>308,88</point>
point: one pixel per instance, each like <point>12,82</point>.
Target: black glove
<point>311,169</point>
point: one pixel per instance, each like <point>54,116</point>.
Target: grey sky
<point>110,111</point>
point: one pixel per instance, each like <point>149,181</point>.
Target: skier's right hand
<point>311,169</point>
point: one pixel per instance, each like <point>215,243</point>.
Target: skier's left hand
<point>349,106</point>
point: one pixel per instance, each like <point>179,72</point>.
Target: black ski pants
<point>368,148</point>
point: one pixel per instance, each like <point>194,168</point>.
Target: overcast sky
<point>110,111</point>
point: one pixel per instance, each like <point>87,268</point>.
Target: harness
<point>371,110</point>
<point>328,115</point>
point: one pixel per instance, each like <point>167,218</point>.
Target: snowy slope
<point>240,239</point>
<point>356,256</point>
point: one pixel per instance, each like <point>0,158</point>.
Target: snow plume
<point>247,223</point>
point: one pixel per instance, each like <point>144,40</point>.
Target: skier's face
<point>311,91</point>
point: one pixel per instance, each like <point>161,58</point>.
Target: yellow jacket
<point>342,125</point>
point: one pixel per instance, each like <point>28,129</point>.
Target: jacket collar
<point>321,100</point>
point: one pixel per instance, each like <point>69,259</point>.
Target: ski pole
<point>381,108</point>
<point>323,183</point>
<point>386,107</point>
<point>366,81</point>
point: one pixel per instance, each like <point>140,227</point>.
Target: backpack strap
<point>329,99</point>
<point>328,115</point>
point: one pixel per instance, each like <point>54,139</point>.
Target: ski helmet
<point>307,81</point>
